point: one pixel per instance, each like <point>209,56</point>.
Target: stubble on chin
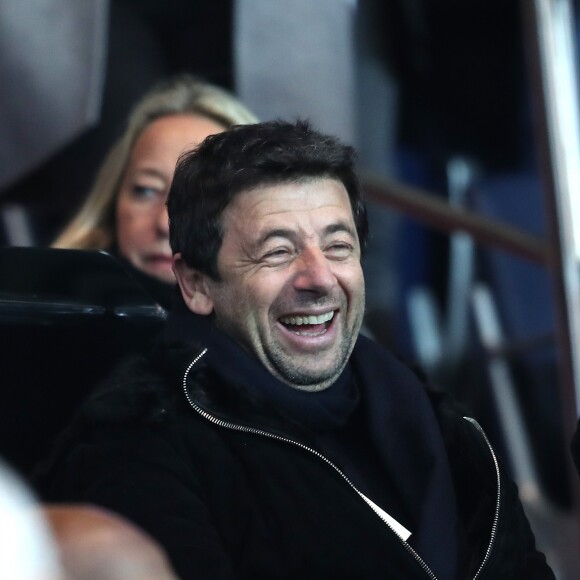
<point>307,376</point>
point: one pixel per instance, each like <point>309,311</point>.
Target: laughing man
<point>265,437</point>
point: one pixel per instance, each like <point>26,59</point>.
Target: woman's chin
<point>163,275</point>
<point>159,268</point>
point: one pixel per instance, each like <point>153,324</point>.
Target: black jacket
<point>232,491</point>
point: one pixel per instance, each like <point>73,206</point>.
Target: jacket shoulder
<point>143,389</point>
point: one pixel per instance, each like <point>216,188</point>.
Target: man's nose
<point>314,272</point>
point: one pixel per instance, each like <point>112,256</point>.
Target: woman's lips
<point>159,260</point>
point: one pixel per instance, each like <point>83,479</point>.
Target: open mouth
<point>308,324</point>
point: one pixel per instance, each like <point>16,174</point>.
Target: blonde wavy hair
<point>94,225</point>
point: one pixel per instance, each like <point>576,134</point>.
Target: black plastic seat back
<point>67,317</point>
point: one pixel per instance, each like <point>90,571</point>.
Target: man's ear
<point>193,286</point>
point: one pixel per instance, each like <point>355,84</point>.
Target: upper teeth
<point>298,320</point>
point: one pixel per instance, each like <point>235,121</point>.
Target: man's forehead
<point>314,210</point>
<point>285,198</point>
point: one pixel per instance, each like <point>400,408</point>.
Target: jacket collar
<point>401,419</point>
<point>238,389</point>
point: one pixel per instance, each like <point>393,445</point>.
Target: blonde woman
<point>125,212</point>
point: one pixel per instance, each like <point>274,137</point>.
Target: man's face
<point>291,289</point>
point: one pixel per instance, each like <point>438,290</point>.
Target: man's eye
<point>339,250</point>
<point>277,255</point>
<point>278,252</point>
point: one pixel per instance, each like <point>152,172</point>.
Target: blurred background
<point>465,118</point>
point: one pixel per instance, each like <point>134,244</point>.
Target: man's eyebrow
<point>277,233</point>
<point>340,226</point>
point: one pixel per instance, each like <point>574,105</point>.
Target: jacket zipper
<point>497,500</point>
<point>244,429</point>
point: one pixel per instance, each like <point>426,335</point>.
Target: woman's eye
<point>145,192</point>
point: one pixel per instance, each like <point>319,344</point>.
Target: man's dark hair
<point>244,157</point>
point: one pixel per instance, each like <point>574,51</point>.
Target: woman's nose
<point>163,221</point>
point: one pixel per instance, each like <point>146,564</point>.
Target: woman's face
<point>142,223</point>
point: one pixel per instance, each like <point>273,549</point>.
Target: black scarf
<point>375,422</point>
